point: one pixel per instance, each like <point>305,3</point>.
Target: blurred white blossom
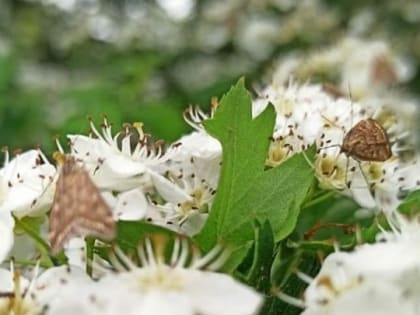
<point>58,290</point>
<point>365,67</point>
<point>176,287</point>
<point>379,278</point>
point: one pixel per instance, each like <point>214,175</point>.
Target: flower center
<point>199,202</point>
<point>278,152</point>
<point>331,175</point>
<point>160,277</point>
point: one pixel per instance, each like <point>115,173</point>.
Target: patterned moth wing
<point>78,208</point>
<point>367,141</point>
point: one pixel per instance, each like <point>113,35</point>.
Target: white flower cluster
<point>137,178</point>
<point>185,176</point>
<point>381,278</point>
<point>322,114</point>
<point>185,286</point>
<point>175,187</point>
<point>307,115</point>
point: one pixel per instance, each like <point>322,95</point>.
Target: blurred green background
<point>64,60</point>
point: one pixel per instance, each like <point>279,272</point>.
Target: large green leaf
<point>248,191</point>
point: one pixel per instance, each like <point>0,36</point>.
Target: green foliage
<point>274,220</point>
<point>130,233</point>
<point>259,274</point>
<point>247,191</point>
<point>411,204</point>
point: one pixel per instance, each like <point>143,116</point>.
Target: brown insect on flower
<point>78,208</point>
<point>367,141</point>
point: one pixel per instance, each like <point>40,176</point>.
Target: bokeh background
<point>64,60</point>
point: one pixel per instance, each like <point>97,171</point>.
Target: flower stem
<point>43,247</point>
<point>318,199</point>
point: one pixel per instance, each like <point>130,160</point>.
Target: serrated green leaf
<point>247,191</point>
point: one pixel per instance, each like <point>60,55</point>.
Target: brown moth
<point>78,208</point>
<point>367,141</point>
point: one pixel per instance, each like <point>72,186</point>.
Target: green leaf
<point>411,204</point>
<point>259,273</point>
<point>247,191</point>
<point>236,257</point>
<point>282,267</point>
<point>130,233</point>
<point>31,226</point>
<point>289,283</point>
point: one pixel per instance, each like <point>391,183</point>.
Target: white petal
<point>167,302</point>
<point>219,294</point>
<point>75,252</point>
<point>194,224</point>
<point>372,297</point>
<point>6,234</point>
<point>169,191</point>
<point>198,144</point>
<point>109,168</point>
<point>131,205</point>
<point>23,182</point>
<point>54,280</point>
<point>361,192</point>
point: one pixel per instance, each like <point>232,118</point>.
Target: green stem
<point>43,247</point>
<point>318,200</point>
<point>90,247</point>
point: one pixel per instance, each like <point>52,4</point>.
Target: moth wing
<point>78,210</point>
<point>93,215</point>
<point>62,211</point>
<point>368,141</point>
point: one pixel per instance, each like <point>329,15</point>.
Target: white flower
<point>257,35</point>
<point>65,290</point>
<point>175,287</point>
<point>374,279</point>
<point>299,117</point>
<point>197,144</point>
<point>26,188</point>
<point>59,290</point>
<point>188,192</point>
<point>194,116</point>
<point>370,64</point>
<point>26,183</point>
<point>371,297</point>
<point>128,205</point>
<point>190,178</point>
<point>367,67</point>
<point>112,162</point>
<point>307,115</point>
<point>6,234</point>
